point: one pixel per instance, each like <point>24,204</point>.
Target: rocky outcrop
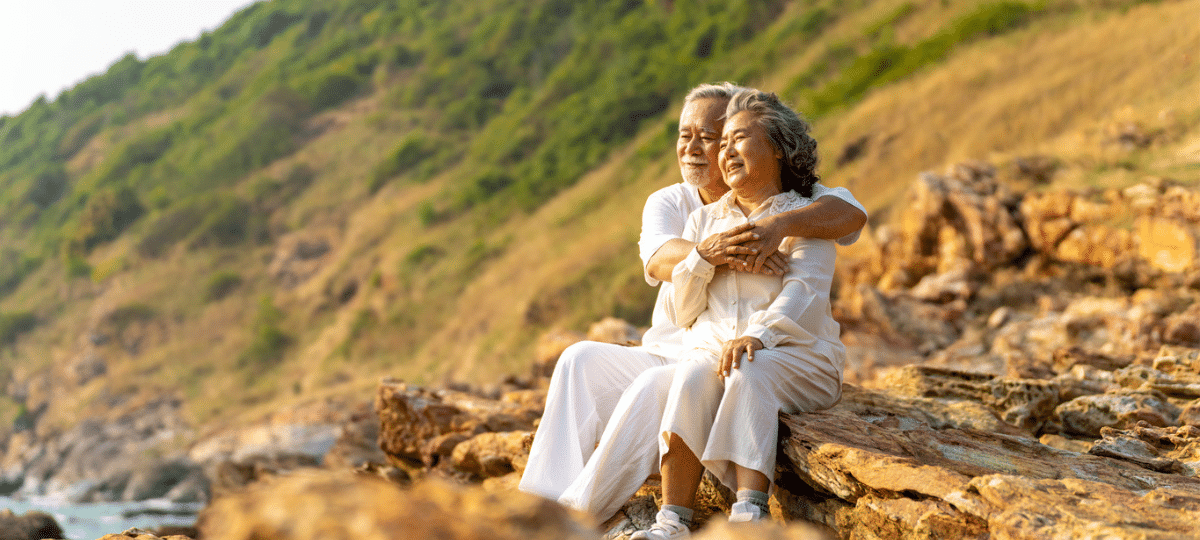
<point>880,472</point>
<point>342,505</point>
<point>457,433</point>
<point>29,526</point>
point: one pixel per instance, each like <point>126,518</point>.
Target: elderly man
<point>591,377</point>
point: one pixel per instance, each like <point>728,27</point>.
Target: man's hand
<point>723,248</point>
<point>731,353</point>
<point>768,235</point>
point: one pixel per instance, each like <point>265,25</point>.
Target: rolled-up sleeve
<point>662,220</point>
<point>803,302</point>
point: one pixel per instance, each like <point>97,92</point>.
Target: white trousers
<point>587,383</point>
<point>724,422</point>
<point>735,420</point>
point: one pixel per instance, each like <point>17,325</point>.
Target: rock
<point>490,455</point>
<point>614,330</point>
<point>410,418</point>
<point>157,480</point>
<point>139,534</point>
<point>234,476</point>
<point>1175,450</point>
<point>764,530</point>
<point>928,326</point>
<point>1190,414</point>
<point>1183,329</point>
<point>32,525</point>
<point>1167,244</point>
<point>324,505</point>
<point>549,346</point>
<point>1121,409</point>
<point>871,478</point>
<point>1024,403</point>
<point>357,441</point>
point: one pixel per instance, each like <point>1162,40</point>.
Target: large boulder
<point>324,505</point>
<point>30,526</point>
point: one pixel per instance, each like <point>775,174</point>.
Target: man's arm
<point>717,249</point>
<point>828,218</point>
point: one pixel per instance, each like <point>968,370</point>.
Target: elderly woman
<point>721,412</point>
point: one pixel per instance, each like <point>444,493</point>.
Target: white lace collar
<point>783,202</point>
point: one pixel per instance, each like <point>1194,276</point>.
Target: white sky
<point>47,46</point>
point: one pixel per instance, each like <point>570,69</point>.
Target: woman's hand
<point>723,247</point>
<point>731,353</point>
<point>768,235</point>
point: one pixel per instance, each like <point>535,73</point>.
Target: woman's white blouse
<point>719,304</point>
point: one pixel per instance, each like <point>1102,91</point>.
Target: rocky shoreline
<point>1021,365</point>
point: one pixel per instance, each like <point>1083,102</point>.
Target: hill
<point>323,192</point>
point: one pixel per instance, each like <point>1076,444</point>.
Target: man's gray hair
<point>789,133</point>
<point>724,90</point>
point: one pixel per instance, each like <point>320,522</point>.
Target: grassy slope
<point>466,298</point>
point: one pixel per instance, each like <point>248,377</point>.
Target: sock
<point>755,497</point>
<point>685,513</point>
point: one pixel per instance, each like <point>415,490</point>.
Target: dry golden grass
<point>1050,89</point>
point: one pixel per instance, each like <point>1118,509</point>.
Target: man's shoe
<point>745,511</point>
<point>667,526</point>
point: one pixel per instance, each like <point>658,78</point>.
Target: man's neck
<point>709,195</point>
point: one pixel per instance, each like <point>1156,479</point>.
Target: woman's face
<point>748,160</point>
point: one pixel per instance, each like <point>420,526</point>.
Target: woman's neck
<point>749,203</point>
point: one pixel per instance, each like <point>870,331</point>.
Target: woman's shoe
<point>667,526</point>
<point>745,511</point>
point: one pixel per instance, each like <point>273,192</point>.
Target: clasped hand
<point>744,249</point>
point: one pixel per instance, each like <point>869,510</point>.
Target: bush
<point>226,225</point>
<point>268,341</point>
<point>48,185</point>
<point>106,214</point>
<point>12,325</point>
<point>14,266</point>
<point>221,284</point>
<point>413,148</point>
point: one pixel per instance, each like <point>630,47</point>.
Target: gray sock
<point>755,497</point>
<point>685,513</point>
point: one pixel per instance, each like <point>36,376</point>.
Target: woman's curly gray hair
<point>789,134</point>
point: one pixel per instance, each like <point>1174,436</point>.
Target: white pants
<point>735,421</point>
<point>587,383</point>
<point>722,422</point>
<point>628,450</point>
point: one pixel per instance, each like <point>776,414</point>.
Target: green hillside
<point>322,192</point>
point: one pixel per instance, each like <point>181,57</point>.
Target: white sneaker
<point>745,511</point>
<point>667,526</point>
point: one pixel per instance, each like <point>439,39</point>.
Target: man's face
<point>699,141</point>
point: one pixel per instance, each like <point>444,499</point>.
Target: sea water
<point>89,521</point>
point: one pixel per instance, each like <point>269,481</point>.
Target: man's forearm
<point>664,260</point>
<point>828,218</point>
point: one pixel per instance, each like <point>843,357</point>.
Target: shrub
<point>12,325</point>
<point>14,266</point>
<point>268,341</point>
<point>413,148</point>
<point>48,185</point>
<point>106,214</point>
<point>221,284</point>
<point>225,225</point>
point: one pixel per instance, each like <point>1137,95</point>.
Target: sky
<point>47,46</point>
